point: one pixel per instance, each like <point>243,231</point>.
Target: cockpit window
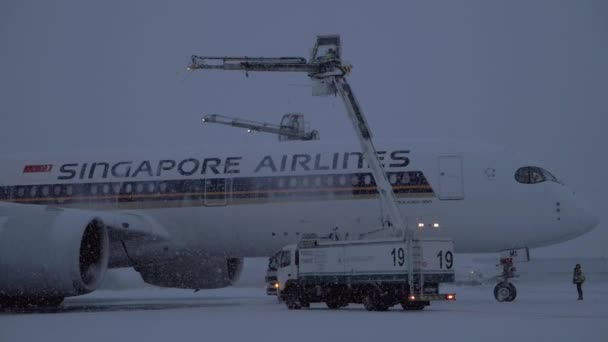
<point>549,176</point>
<point>534,175</point>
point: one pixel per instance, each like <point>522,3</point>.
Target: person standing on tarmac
<point>578,278</point>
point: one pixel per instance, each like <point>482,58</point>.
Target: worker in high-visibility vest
<point>578,278</point>
<point>331,54</point>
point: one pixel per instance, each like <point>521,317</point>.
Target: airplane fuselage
<point>245,202</point>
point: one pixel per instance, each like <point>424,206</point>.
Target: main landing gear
<point>505,291</point>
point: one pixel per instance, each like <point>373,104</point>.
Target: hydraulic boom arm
<point>290,131</point>
<point>324,65</point>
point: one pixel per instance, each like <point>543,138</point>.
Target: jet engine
<point>47,254</point>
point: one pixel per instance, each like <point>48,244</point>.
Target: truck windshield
<point>285,259</point>
<point>273,264</point>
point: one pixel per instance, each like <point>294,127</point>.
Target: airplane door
<point>451,186</point>
<point>217,191</point>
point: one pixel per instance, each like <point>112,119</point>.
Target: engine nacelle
<point>50,252</point>
<point>192,272</point>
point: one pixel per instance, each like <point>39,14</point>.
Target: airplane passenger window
<point>393,179</point>
<point>318,181</point>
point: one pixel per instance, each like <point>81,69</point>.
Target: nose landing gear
<point>505,291</point>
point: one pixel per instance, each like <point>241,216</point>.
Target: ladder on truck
<point>328,73</point>
<point>292,126</point>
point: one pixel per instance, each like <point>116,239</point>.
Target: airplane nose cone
<point>589,221</point>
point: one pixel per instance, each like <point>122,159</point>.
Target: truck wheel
<point>381,306</point>
<point>292,304</point>
<point>333,304</point>
<point>292,301</point>
<point>369,303</point>
<point>373,302</point>
<point>412,306</point>
<point>505,292</point>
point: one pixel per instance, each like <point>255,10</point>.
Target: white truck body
<point>342,272</point>
<point>363,260</point>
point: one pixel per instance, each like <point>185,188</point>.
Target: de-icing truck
<point>370,272</point>
<point>378,273</point>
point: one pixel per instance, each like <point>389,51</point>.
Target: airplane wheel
<point>505,292</point>
<point>513,293</point>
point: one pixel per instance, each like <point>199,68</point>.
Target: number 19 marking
<point>398,256</point>
<point>448,257</point>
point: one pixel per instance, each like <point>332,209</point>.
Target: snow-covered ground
<point>542,312</point>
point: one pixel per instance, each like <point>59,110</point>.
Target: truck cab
<point>287,266</point>
<point>270,279</point>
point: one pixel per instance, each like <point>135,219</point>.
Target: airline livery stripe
<point>233,193</point>
<point>238,190</point>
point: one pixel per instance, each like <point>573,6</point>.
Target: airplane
<point>188,219</point>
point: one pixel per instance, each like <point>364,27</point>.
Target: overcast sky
<point>108,75</point>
